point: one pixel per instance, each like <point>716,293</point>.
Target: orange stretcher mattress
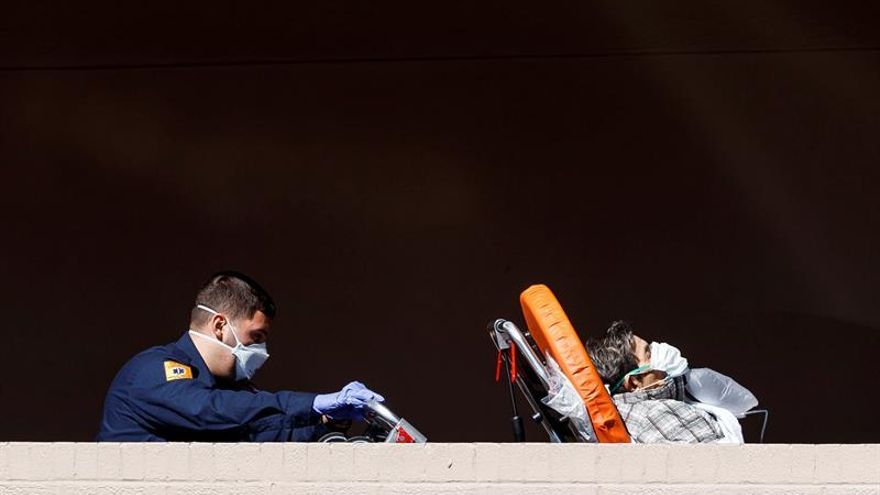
<point>555,335</point>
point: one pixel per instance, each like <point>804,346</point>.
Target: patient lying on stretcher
<point>662,400</point>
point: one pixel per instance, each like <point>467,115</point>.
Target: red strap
<point>512,362</point>
<point>498,367</point>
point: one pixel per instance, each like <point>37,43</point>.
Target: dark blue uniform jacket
<point>166,393</point>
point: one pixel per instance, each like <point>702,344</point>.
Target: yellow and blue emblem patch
<point>177,371</point>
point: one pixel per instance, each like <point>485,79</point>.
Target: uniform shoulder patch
<point>177,371</point>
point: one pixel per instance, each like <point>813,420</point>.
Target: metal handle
<point>383,414</point>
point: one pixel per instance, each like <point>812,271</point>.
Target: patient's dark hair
<point>613,355</point>
<point>235,295</point>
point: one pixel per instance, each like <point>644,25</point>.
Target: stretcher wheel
<point>360,439</point>
<point>333,437</point>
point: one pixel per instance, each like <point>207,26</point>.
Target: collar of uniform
<point>186,347</point>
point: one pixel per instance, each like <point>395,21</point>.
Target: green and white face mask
<point>668,359</point>
<point>664,357</point>
<point>637,371</point>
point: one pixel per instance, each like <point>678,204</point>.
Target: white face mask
<point>248,358</point>
<point>667,358</point>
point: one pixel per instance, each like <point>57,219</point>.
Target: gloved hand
<point>348,403</point>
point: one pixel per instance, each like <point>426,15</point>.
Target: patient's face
<point>642,353</point>
<point>642,350</point>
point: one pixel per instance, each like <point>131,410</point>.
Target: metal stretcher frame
<point>551,333</point>
<point>531,380</point>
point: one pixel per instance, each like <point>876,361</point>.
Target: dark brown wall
<point>709,174</point>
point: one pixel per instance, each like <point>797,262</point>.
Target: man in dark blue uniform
<point>198,389</point>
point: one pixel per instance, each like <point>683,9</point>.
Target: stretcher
<point>549,361</point>
<point>551,368</point>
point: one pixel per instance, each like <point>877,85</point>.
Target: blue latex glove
<point>348,403</point>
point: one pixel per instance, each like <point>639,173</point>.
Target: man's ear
<point>631,383</point>
<point>217,323</point>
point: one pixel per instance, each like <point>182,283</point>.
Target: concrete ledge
<point>437,468</point>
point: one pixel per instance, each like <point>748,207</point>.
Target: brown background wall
<point>396,175</point>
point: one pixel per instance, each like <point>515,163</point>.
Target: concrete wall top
<point>437,468</point>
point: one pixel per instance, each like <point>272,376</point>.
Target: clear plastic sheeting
<point>564,399</point>
<point>711,387</point>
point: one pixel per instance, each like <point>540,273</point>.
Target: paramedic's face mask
<point>249,347</point>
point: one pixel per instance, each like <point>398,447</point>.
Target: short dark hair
<point>613,355</point>
<point>234,294</point>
